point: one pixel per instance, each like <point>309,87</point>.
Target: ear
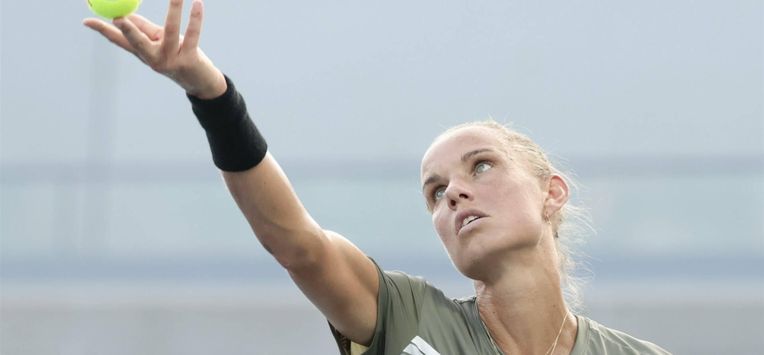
<point>557,195</point>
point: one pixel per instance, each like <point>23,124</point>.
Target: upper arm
<point>332,272</point>
<point>344,284</point>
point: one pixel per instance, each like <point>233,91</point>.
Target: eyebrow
<point>466,156</point>
<point>472,153</point>
<point>433,178</point>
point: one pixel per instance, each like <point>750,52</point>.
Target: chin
<point>476,266</point>
<point>478,263</point>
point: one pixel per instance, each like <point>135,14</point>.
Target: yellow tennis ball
<point>113,8</point>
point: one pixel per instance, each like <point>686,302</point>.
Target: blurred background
<point>119,236</point>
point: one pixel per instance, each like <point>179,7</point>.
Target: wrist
<point>216,87</point>
<point>235,142</point>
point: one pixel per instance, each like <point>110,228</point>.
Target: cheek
<point>439,221</point>
<point>522,206</point>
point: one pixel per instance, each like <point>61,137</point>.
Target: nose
<point>457,192</point>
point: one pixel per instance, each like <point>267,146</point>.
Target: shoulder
<point>403,279</point>
<point>412,313</point>
<point>398,284</point>
<point>596,339</point>
<point>415,295</point>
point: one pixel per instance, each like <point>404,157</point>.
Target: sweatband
<point>235,142</point>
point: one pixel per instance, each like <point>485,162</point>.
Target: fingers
<point>152,30</point>
<point>111,33</point>
<point>194,28</point>
<point>172,27</point>
<point>135,37</point>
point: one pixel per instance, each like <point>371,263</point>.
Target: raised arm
<point>335,275</point>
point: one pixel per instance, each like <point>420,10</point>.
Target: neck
<point>524,311</point>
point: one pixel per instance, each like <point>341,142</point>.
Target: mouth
<point>464,219</point>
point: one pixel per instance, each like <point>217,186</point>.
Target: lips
<point>464,218</point>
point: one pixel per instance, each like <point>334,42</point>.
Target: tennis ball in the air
<point>113,8</point>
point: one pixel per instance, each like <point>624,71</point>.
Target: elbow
<point>296,250</point>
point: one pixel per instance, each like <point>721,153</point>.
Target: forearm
<point>275,213</point>
<point>255,180</point>
<point>338,278</point>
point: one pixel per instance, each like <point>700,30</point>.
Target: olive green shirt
<point>415,318</point>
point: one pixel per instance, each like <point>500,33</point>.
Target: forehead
<point>450,146</point>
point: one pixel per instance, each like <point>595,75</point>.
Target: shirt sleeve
<point>398,314</point>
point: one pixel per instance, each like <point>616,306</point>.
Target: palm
<point>163,48</point>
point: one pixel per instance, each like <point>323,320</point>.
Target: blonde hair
<point>569,224</point>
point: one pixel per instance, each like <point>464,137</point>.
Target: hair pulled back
<point>569,223</point>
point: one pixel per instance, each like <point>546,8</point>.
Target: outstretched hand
<point>165,50</point>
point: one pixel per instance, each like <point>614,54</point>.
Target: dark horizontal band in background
<point>175,171</point>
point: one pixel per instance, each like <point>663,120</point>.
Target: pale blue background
<point>119,237</point>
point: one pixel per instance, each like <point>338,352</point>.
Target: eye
<point>482,166</point>
<point>438,193</point>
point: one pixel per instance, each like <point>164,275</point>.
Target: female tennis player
<point>496,203</point>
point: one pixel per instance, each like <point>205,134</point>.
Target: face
<point>485,205</point>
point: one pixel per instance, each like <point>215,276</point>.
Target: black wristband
<point>235,142</point>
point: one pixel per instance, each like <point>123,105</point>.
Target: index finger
<point>153,31</point>
<point>138,40</point>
